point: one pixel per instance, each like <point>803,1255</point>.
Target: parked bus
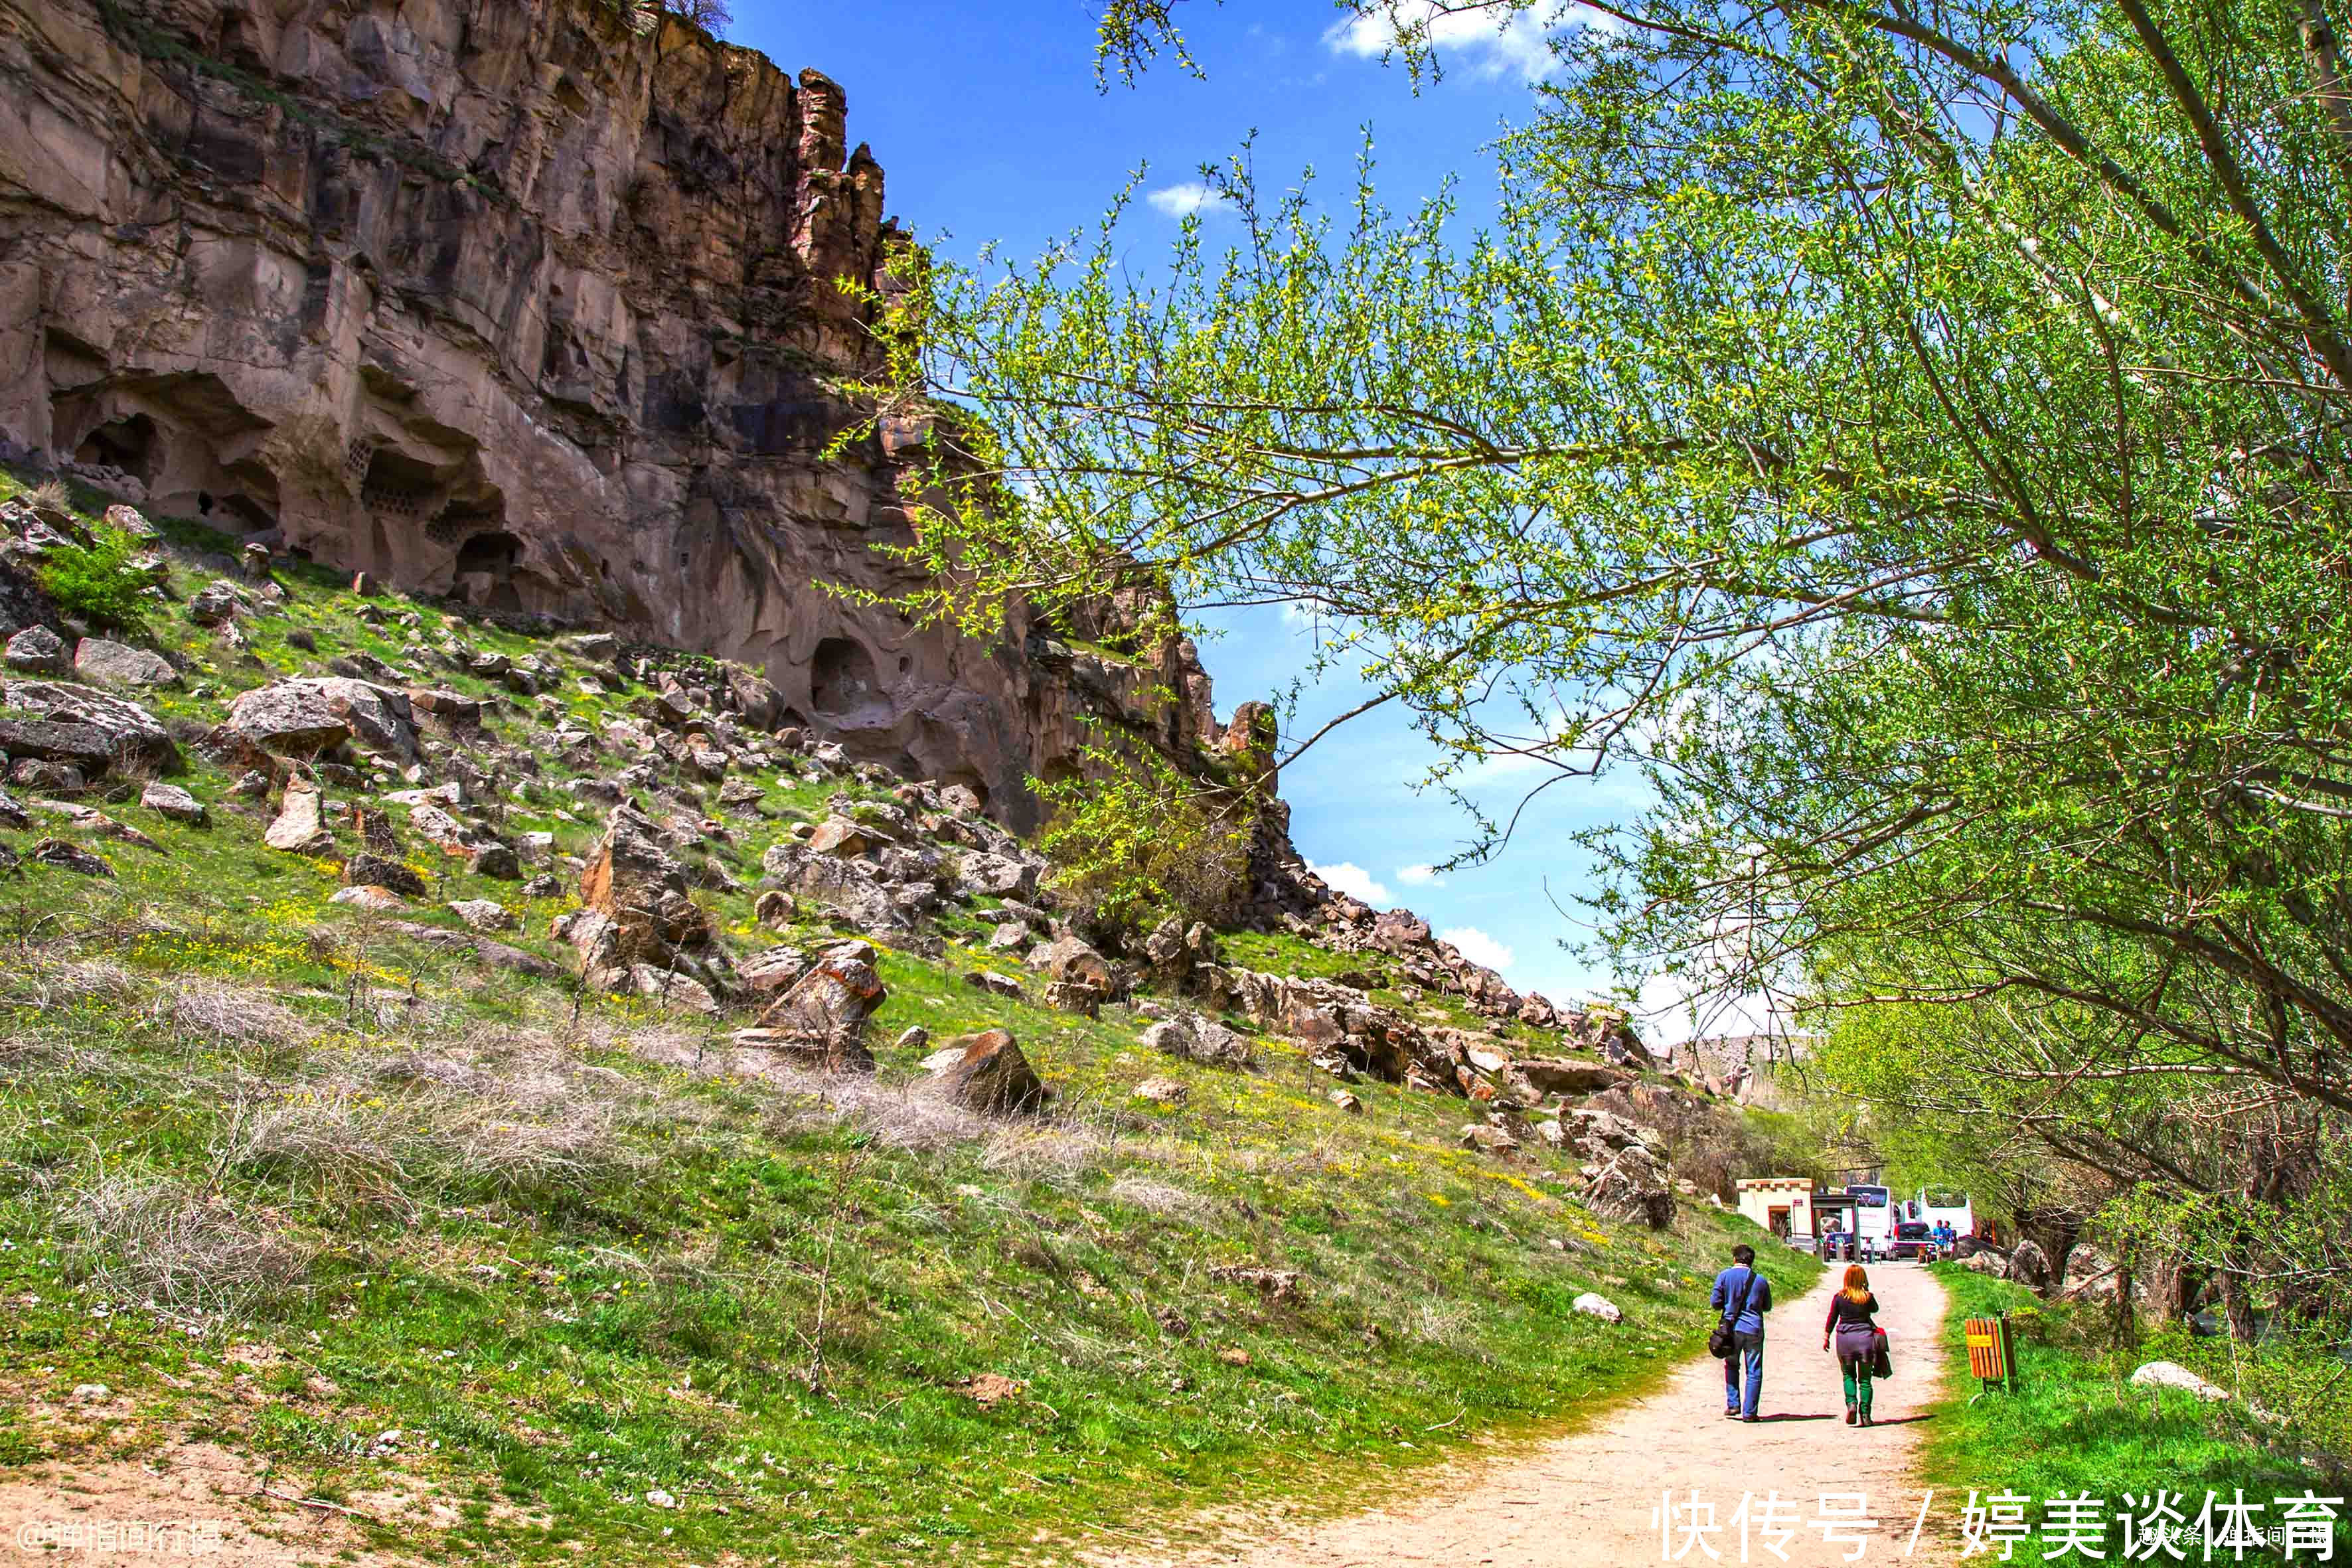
<point>1873,1218</point>
<point>1945,1206</point>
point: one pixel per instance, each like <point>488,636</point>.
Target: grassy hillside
<point>506,1270</point>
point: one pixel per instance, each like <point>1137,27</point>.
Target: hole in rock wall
<point>126,444</point>
<point>399,486</point>
<point>486,564</point>
<point>841,677</point>
<point>499,553</point>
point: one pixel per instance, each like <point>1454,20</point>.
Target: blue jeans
<point>1751,1351</point>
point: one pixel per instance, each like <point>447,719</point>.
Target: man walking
<point>1743,1296</point>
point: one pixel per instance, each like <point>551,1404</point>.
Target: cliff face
<point>519,301</point>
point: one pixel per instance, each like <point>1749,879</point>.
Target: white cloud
<point>1478,947</point>
<point>1187,197</point>
<point>1352,879</point>
<point>1517,46</point>
<point>1419,877</point>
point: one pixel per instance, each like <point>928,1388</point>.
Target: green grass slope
<point>392,1223</point>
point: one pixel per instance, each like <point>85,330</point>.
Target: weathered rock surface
<point>305,717</point>
<point>823,1017</point>
<point>172,801</point>
<point>86,728</point>
<point>521,304</point>
<point>37,650</point>
<point>119,664</point>
<point>988,1072</point>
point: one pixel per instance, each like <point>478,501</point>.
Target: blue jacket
<point>1733,1286</point>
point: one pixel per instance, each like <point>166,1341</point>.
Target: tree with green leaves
<point>1912,438</point>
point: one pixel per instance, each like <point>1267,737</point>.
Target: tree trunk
<point>2237,1305</point>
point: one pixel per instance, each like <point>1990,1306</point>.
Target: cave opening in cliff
<point>487,563</point>
<point>129,444</point>
<point>842,678</point>
<point>399,486</point>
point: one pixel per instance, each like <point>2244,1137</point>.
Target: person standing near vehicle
<point>1852,1330</point>
<point>1743,1296</point>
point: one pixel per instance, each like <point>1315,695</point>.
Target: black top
<point>1845,1312</point>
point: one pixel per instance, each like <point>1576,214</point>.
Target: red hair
<point>1857,1284</point>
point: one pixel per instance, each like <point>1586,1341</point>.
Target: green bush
<point>1139,842</point>
<point>101,582</point>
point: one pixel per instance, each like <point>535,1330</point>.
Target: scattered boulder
<point>672,989</point>
<point>214,604</point>
<point>1598,1306</point>
<point>2030,1266</point>
<point>301,718</point>
<point>371,870</point>
<point>1071,961</point>
<point>987,1072</point>
<point>777,969</point>
<point>37,650</point>
<point>993,983</point>
<point>1986,1262</point>
<point>495,859</point>
<point>825,1014</point>
<point>773,908</point>
<point>118,664</point>
<point>68,857</point>
<point>453,706</point>
<point>172,801</point>
<point>1548,1076</point>
<point>1164,1092</point>
<point>2172,1374</point>
<point>986,875</point>
<point>299,827</point>
<point>1347,1102</point>
<point>1634,1184</point>
<point>369,896</point>
<point>482,914</point>
<point>913,1039</point>
<point>1068,996</point>
<point>1488,1138</point>
<point>88,729</point>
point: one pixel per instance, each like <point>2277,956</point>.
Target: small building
<point>1781,1204</point>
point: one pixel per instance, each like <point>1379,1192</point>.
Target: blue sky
<point>986,119</point>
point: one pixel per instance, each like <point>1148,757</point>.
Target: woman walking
<point>1852,1329</point>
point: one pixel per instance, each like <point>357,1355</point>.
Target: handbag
<point>1722,1345</point>
<point>1881,1363</point>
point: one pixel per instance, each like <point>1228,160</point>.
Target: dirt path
<point>1591,1500</point>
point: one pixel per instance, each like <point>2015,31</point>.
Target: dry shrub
<point>144,1240</point>
<point>456,1130</point>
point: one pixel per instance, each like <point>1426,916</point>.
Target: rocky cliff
<point>532,303</point>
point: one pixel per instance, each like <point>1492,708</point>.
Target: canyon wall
<point>531,303</point>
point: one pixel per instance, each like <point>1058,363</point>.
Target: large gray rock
<point>1634,1185</point>
<point>1560,1075</point>
<point>172,801</point>
<point>88,729</point>
<point>304,717</point>
<point>119,664</point>
<point>985,875</point>
<point>37,650</point>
